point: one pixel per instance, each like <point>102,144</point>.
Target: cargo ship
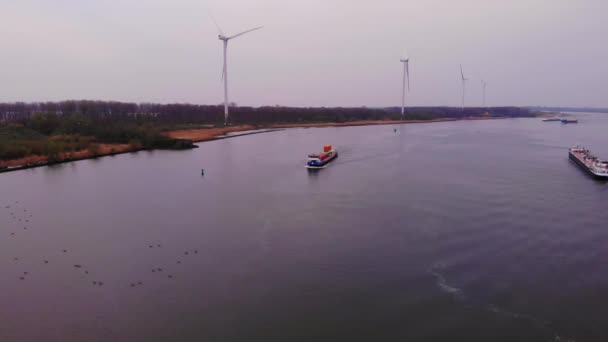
<point>566,121</point>
<point>590,163</point>
<point>320,160</point>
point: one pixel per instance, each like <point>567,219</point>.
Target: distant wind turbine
<point>225,39</point>
<point>483,85</point>
<point>406,77</point>
<point>464,86</point>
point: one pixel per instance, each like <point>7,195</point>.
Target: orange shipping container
<point>327,148</point>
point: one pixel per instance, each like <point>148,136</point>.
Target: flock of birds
<point>22,218</point>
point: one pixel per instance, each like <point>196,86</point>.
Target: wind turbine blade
<point>242,33</point>
<point>216,24</point>
<point>461,73</point>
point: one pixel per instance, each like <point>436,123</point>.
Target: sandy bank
<point>37,160</point>
<point>378,122</point>
<point>206,134</point>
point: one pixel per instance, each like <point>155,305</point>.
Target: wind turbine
<point>225,39</point>
<point>483,85</point>
<point>406,76</point>
<point>464,85</point>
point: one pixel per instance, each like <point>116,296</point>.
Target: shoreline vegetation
<point>41,134</point>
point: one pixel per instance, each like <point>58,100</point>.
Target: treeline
<point>569,109</point>
<point>452,112</point>
<point>105,120</point>
<point>89,117</point>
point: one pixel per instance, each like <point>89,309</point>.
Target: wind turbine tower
<point>483,85</point>
<point>464,86</point>
<point>406,78</point>
<point>225,40</point>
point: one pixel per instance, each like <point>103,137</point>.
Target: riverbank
<point>207,134</point>
<point>382,122</point>
<point>100,150</point>
<point>550,114</point>
<point>201,135</point>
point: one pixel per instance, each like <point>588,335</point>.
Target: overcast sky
<point>310,53</point>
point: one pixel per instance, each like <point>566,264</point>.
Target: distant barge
<point>567,121</point>
<point>318,161</point>
<point>598,169</point>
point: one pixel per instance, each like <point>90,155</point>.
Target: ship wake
<point>458,294</point>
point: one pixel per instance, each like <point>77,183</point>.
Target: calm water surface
<point>471,231</point>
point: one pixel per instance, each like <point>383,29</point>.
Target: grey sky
<point>310,53</point>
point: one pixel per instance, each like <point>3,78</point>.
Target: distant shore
<point>201,135</point>
<point>550,114</point>
<point>207,134</point>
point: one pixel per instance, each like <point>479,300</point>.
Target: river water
<point>476,231</point>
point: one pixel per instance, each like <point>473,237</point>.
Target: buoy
<point>202,172</point>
